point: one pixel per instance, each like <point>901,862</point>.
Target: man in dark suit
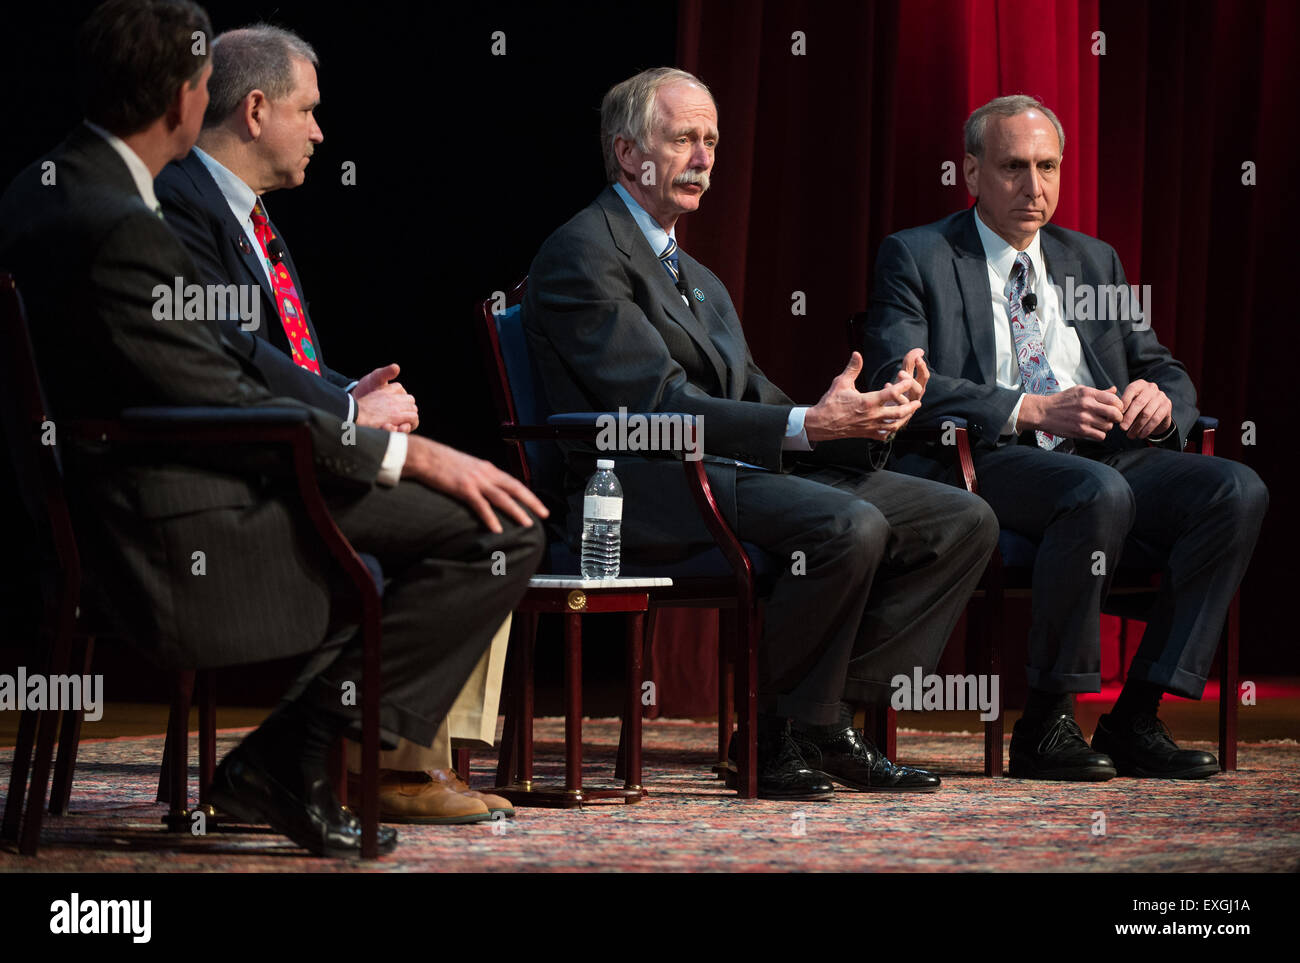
<point>874,568</point>
<point>259,132</point>
<point>81,231</point>
<point>236,164</point>
<point>1078,417</point>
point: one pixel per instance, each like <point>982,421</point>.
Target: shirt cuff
<point>1173,430</point>
<point>390,470</point>
<point>796,438</point>
<point>349,388</point>
<point>1010,427</point>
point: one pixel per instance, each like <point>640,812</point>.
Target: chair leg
<point>728,645</point>
<point>747,701</point>
<point>460,762</point>
<point>573,704</point>
<point>18,774</point>
<point>632,723</point>
<point>206,694</point>
<point>165,768</point>
<point>370,685</point>
<point>338,765</point>
<point>880,723</point>
<point>508,749</point>
<point>70,739</point>
<point>990,660</point>
<point>620,757</point>
<point>524,727</point>
<point>29,834</point>
<point>643,655</point>
<point>177,752</point>
<point>1229,697</point>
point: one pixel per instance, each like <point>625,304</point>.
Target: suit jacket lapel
<point>629,239</point>
<point>971,267</point>
<point>1061,264</point>
<point>249,256</point>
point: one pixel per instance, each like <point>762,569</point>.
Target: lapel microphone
<point>1029,302</point>
<point>275,250</point>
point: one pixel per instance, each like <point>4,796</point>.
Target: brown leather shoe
<point>495,804</point>
<point>415,797</point>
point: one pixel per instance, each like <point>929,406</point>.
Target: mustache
<point>693,177</point>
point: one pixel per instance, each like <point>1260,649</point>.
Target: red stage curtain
<point>823,153</point>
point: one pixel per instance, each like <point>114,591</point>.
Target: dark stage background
<point>466,161</point>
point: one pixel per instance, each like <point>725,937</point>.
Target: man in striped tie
<point>871,570</point>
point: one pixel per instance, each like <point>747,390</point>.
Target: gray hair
<point>1007,106</point>
<point>629,110</point>
<point>259,57</point>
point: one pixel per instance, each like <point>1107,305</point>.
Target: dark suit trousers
<point>888,562</point>
<point>1191,517</point>
<point>444,598</point>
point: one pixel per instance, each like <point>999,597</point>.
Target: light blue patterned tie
<point>1035,372</point>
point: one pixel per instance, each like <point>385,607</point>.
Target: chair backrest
<point>517,388</point>
<point>32,435</point>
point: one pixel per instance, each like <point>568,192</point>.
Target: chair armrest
<point>196,425</point>
<point>1204,431</point>
<point>951,433</point>
<point>589,425</point>
<point>216,427</point>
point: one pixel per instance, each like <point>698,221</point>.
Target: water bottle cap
<point>604,463</point>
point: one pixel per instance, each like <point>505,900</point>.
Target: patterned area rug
<point>1245,821</point>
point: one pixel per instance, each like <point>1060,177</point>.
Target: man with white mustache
<point>870,569</point>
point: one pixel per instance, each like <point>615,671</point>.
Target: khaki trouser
<point>472,719</point>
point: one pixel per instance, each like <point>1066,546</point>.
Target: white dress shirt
<point>1060,340</point>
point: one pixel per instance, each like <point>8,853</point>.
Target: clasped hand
<point>1083,412</point>
<point>383,403</point>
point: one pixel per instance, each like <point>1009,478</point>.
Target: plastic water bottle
<point>602,515</point>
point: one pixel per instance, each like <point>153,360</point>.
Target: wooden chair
<point>725,577</point>
<point>40,477</point>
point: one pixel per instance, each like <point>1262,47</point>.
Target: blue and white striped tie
<point>669,258</point>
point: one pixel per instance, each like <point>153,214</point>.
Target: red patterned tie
<point>286,297</point>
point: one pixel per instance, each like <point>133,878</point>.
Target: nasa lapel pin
<point>699,295</point>
<point>241,242</point>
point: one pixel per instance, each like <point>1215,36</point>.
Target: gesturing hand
<point>1147,410</point>
<point>478,483</point>
<point>383,403</point>
<point>845,412</point>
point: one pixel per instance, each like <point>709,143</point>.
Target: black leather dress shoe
<point>1143,747</point>
<point>781,770</point>
<point>300,806</point>
<point>1056,749</point>
<point>849,759</point>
